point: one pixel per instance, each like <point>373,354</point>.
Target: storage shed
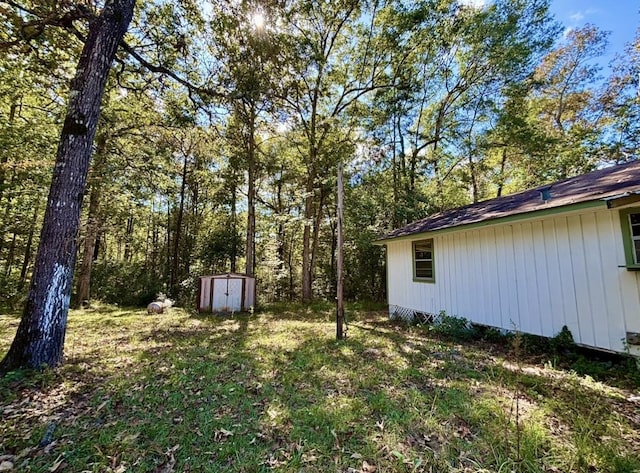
<point>226,293</point>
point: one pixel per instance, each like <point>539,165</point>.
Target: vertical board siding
<point>613,324</point>
<point>567,280</point>
<point>595,281</point>
<point>535,276</point>
<point>205,294</point>
<point>555,297</point>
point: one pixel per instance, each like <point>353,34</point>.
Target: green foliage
<point>563,340</point>
<point>452,327</point>
<point>429,105</point>
<point>219,244</point>
<point>126,283</point>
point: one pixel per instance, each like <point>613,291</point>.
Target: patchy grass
<point>275,391</point>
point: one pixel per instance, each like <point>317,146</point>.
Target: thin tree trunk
<point>413,162</point>
<point>93,225</point>
<point>292,293</point>
<point>307,293</point>
<point>98,245</point>
<point>83,287</point>
<point>474,179</point>
<point>4,224</point>
<point>27,251</point>
<point>503,163</point>
<point>127,238</point>
<point>176,239</point>
<point>168,249</point>
<point>395,222</point>
<point>250,254</point>
<point>333,226</point>
<point>39,340</point>
<point>4,157</point>
<point>316,232</point>
<point>10,256</point>
<point>281,243</point>
<point>339,258</point>
<point>234,229</point>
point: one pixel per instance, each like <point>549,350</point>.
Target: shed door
<point>227,295</point>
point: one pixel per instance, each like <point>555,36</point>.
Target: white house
<point>567,253</point>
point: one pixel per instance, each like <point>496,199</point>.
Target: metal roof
<point>604,184</point>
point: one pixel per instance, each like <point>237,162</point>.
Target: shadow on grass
<point>276,391</point>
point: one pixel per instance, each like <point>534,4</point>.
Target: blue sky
<point>620,17</point>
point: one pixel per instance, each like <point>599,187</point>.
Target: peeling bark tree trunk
<point>39,340</point>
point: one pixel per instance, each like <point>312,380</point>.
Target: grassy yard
<point>275,391</point>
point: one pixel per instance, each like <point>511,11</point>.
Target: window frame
<point>416,278</point>
<point>632,259</point>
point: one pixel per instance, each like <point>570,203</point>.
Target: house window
<point>630,222</point>
<point>634,228</point>
<point>423,268</point>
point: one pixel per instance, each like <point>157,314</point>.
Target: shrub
<point>124,283</point>
<point>457,328</point>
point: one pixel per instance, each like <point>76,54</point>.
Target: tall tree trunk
<point>4,157</point>
<point>11,254</point>
<point>4,224</point>
<point>307,293</point>
<point>176,239</point>
<point>413,163</point>
<point>169,248</point>
<point>503,163</point>
<point>27,251</point>
<point>475,192</point>
<point>251,196</point>
<point>83,287</point>
<point>315,243</point>
<point>93,223</point>
<point>127,238</point>
<point>333,226</point>
<point>40,337</point>
<point>395,221</point>
<point>292,292</point>
<point>96,250</point>
<point>234,229</point>
<point>281,236</point>
<point>339,258</point>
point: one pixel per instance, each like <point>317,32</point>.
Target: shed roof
<point>227,275</point>
<point>603,184</point>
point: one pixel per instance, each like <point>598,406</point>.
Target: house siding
<point>532,275</point>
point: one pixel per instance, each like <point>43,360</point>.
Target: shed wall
<point>531,275</point>
<point>222,293</point>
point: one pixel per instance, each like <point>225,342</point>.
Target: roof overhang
<point>536,214</point>
<point>621,200</point>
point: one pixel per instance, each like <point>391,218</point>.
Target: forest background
<point>223,123</point>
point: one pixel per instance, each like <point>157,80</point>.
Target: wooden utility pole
<point>339,259</point>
